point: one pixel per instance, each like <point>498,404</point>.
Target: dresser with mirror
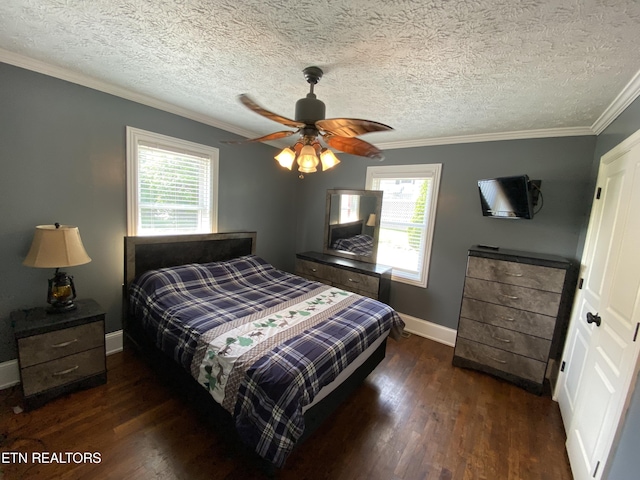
<point>350,245</point>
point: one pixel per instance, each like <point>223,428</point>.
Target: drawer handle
<point>314,269</point>
<point>508,319</point>
<point>504,340</point>
<point>503,362</point>
<point>353,281</point>
<point>65,372</point>
<point>511,297</point>
<point>512,274</point>
<point>64,344</point>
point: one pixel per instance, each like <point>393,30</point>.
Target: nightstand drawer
<point>546,303</point>
<point>519,320</point>
<point>49,346</point>
<point>516,342</point>
<point>521,274</point>
<point>512,363</point>
<point>55,373</point>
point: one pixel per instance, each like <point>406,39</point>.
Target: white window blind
<point>407,219</point>
<point>172,185</point>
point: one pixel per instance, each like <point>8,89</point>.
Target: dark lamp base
<point>61,293</point>
<point>61,307</point>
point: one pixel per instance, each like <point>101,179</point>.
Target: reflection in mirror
<point>352,224</point>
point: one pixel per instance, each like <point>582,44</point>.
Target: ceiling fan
<point>311,124</point>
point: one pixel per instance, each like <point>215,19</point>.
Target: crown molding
<point>490,137</point>
<point>95,84</point>
<point>622,101</point>
<point>628,94</point>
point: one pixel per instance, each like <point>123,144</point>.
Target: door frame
<point>628,389</point>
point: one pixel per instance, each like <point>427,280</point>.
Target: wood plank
<point>415,417</point>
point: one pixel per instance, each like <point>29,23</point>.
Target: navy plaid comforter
<point>358,244</point>
<point>177,306</point>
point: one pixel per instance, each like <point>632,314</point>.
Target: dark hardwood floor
<point>416,417</point>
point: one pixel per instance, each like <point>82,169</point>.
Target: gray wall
<point>563,164</point>
<point>62,158</point>
<point>625,462</point>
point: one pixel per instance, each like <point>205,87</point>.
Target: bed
<point>340,231</point>
<point>274,352</point>
<point>348,237</point>
<point>358,244</point>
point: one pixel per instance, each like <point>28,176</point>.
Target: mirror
<point>352,224</point>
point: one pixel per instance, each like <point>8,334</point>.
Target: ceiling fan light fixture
<point>308,160</point>
<point>310,123</point>
<point>328,159</point>
<point>286,158</point>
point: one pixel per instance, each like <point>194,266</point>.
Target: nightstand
<point>59,353</point>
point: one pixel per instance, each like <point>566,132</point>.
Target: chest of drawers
<point>368,279</point>
<point>514,315</point>
<point>59,353</point>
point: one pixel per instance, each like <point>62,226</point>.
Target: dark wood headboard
<point>142,254</point>
<point>148,253</point>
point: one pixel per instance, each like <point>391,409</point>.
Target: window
<point>172,185</point>
<point>407,219</point>
<point>349,208</point>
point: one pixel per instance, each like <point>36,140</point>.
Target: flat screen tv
<point>509,197</point>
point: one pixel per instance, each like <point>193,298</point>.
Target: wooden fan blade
<point>354,146</point>
<point>350,127</point>
<point>247,102</point>
<point>266,138</point>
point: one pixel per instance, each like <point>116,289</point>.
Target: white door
<point>601,351</point>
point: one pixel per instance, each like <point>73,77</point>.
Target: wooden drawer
<point>356,282</point>
<point>352,281</point>
<point>501,360</point>
<point>546,303</point>
<point>519,320</point>
<point>521,274</point>
<point>61,371</point>
<point>49,346</point>
<point>308,269</point>
<point>504,339</point>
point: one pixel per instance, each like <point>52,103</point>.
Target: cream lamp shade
<point>328,159</point>
<point>308,160</point>
<point>286,158</point>
<point>56,246</point>
<point>305,154</point>
<point>371,221</point>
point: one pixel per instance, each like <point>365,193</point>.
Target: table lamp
<point>57,246</point>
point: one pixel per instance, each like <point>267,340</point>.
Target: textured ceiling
<point>430,69</point>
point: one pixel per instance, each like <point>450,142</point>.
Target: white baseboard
<point>113,342</point>
<point>10,372</point>
<point>432,331</point>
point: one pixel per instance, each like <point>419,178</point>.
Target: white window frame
<point>134,137</point>
<point>433,171</point>
<point>354,201</point>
